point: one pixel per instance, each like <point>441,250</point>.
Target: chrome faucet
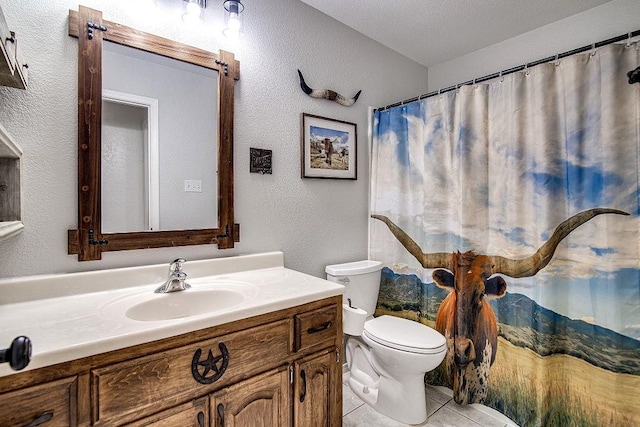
<point>176,281</point>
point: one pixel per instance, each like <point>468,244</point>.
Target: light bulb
<point>192,12</point>
<point>193,9</point>
<point>233,10</point>
<point>234,23</point>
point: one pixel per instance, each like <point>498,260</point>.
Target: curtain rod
<point>627,36</point>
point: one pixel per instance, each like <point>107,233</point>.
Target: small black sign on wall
<point>260,161</point>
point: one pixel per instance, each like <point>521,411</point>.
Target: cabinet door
<point>259,401</point>
<point>194,413</point>
<point>318,390</point>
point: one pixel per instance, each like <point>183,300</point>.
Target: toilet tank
<point>361,280</point>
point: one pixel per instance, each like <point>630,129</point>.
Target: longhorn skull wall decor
<point>327,94</point>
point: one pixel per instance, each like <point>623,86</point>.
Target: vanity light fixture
<point>144,5</point>
<point>232,19</point>
<point>193,10</point>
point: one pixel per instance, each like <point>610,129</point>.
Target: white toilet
<point>387,356</point>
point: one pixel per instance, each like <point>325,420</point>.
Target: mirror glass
<point>159,157</point>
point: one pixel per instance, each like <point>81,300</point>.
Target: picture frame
<point>328,148</point>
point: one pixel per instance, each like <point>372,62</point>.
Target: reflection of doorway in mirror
<point>130,171</point>
<point>187,130</point>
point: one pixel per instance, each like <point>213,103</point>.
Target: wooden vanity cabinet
<point>280,369</point>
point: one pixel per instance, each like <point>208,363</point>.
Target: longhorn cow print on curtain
<point>465,318</point>
<point>468,186</point>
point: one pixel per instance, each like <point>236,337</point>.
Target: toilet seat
<point>403,334</point>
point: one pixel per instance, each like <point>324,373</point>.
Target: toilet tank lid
<point>353,268</point>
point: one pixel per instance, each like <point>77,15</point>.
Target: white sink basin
<point>204,297</point>
<point>176,305</point>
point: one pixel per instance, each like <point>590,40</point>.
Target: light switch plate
<point>192,186</point>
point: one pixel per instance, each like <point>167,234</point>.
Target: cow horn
<point>432,260</point>
<point>327,94</point>
<point>530,266</point>
<point>513,268</point>
<point>634,76</point>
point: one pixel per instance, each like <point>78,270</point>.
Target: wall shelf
<point>10,186</point>
<point>14,72</point>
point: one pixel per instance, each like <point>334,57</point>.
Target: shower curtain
<point>494,169</point>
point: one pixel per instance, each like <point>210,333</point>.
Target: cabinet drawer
<point>315,327</point>
<point>138,387</point>
<point>52,404</point>
<point>195,413</point>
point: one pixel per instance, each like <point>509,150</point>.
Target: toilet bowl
<point>389,356</point>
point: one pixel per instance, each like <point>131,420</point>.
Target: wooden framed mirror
<point>89,240</point>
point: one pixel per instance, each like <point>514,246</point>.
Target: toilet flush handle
<point>344,280</point>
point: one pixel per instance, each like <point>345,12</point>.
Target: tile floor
<point>442,410</point>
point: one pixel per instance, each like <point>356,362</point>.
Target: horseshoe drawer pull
<point>209,369</point>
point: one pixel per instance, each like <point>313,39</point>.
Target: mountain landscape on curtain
<point>532,336</point>
<point>522,322</point>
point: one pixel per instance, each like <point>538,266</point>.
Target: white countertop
<point>70,316</point>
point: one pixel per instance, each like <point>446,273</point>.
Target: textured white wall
<point>315,222</point>
<point>600,23</point>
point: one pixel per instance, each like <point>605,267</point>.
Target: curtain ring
<point>628,44</point>
<point>593,50</point>
<point>526,69</point>
<point>557,62</point>
<point>500,76</point>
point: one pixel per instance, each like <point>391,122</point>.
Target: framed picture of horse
<point>328,148</point>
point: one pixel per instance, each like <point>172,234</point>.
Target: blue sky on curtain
<point>495,168</point>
